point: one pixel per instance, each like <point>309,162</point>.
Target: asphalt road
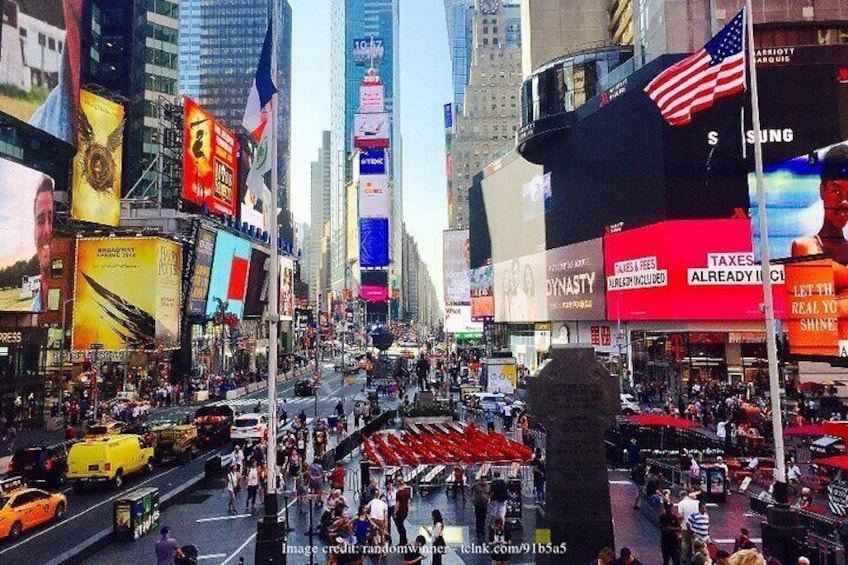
<point>90,512</point>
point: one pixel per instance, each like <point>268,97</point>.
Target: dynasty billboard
<point>574,282</point>
<point>456,267</point>
<point>210,161</point>
<point>228,281</point>
<point>40,64</point>
<point>97,167</point>
<point>203,257</point>
<point>26,217</point>
<point>687,270</point>
<point>127,293</point>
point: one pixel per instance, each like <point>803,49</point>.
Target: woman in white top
<point>232,487</point>
<point>437,536</point>
<point>391,501</point>
<point>252,486</point>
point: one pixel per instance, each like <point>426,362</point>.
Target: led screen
<point>286,289</point>
<point>204,255</point>
<point>482,294</point>
<point>228,283</point>
<point>256,297</point>
<point>456,267</point>
<point>374,242</point>
<point>374,286</point>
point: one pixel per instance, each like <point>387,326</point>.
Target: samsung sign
<point>372,162</point>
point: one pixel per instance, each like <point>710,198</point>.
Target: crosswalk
<point>251,402</point>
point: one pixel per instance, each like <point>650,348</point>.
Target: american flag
<point>695,83</point>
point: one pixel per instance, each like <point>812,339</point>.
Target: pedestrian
<point>412,555</point>
<point>699,523</point>
<point>688,505</point>
<point>803,561</point>
<point>669,536</point>
<point>700,553</point>
<point>770,558</point>
<point>480,497</point>
<point>403,497</point>
<point>743,541</point>
<point>498,497</point>
<point>370,492</point>
<point>459,480</point>
<point>746,557</point>
<point>361,526</point>
<point>232,487</point>
<point>293,467</point>
<point>378,514</point>
<point>499,541</point>
<point>723,557</point>
<point>634,456</point>
<point>337,476</point>
<point>539,476</point>
<point>238,459</point>
<point>490,421</point>
<point>626,557</point>
<point>437,536</point>
<point>316,482</point>
<point>167,548</point>
<point>391,501</point>
<point>252,485</point>
<point>605,557</point>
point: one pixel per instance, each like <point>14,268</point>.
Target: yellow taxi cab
<point>109,428</point>
<point>23,508</point>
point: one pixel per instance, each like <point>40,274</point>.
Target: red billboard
<point>210,161</point>
<point>687,270</point>
<point>818,309</point>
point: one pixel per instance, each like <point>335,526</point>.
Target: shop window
<point>53,297</point>
<point>56,268</point>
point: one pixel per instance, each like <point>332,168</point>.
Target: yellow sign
<point>97,166</point>
<point>127,293</point>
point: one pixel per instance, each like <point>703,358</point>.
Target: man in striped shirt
<point>699,523</point>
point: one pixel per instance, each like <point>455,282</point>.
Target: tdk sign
<point>372,162</point>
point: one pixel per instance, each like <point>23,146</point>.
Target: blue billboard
<point>228,282</point>
<point>374,242</point>
<point>372,162</point>
<point>448,115</point>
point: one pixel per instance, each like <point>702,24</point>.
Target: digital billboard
<point>371,98</point>
<point>40,64</point>
<point>127,293</point>
<point>204,254</point>
<point>26,216</point>
<point>374,286</point>
<point>514,203</point>
<point>210,161</point>
<point>483,294</point>
<point>457,274</point>
<point>520,289</point>
<point>458,320</point>
<point>286,289</point>
<point>368,52</point>
<point>374,196</point>
<point>96,188</point>
<point>372,162</point>
<point>256,297</point>
<point>228,283</point>
<point>687,270</point>
<point>371,130</point>
<point>374,242</point>
<point>575,282</point>
<point>818,309</point>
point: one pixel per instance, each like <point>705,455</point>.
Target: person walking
<point>669,536</point>
<point>699,523</point>
<point>232,486</point>
<point>539,476</point>
<point>402,498</point>
<point>252,486</point>
<point>391,502</point>
<point>167,548</point>
<point>498,497</point>
<point>499,541</point>
<point>480,497</point>
<point>437,536</point>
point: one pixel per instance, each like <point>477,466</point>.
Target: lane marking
<point>620,483</point>
<point>69,519</point>
<point>755,540</point>
<point>219,518</point>
<point>211,556</point>
<point>253,536</point>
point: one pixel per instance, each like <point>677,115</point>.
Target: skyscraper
<point>484,125</point>
<point>320,217</point>
<point>460,21</point>
<point>354,25</point>
<point>220,41</point>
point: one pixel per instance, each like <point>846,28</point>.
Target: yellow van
<point>108,459</point>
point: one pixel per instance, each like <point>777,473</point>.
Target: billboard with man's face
<point>26,217</point>
<point>210,161</point>
<point>40,64</point>
<point>97,166</point>
<point>127,293</point>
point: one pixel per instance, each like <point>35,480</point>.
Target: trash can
<point>713,480</point>
<point>135,514</point>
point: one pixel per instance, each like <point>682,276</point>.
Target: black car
<point>304,387</point>
<point>42,464</point>
<point>213,425</point>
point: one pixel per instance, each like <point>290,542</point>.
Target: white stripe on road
<point>755,540</point>
<point>620,483</point>
<point>253,536</point>
<point>219,518</point>
<point>211,556</point>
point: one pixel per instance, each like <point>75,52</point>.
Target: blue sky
<point>425,87</point>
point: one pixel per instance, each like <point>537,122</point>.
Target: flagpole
<point>271,534</point>
<point>780,488</point>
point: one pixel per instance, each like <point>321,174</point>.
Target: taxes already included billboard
<point>456,267</point>
<point>97,167</point>
<point>127,293</point>
<point>210,161</point>
<point>40,64</point>
<point>228,283</point>
<point>371,130</point>
<point>372,162</point>
<point>574,282</point>
<point>202,275</point>
<point>374,196</point>
<point>26,218</point>
<point>374,242</point>
<point>687,270</point>
<point>286,289</point>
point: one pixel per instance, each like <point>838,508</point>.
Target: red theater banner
<point>687,270</point>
